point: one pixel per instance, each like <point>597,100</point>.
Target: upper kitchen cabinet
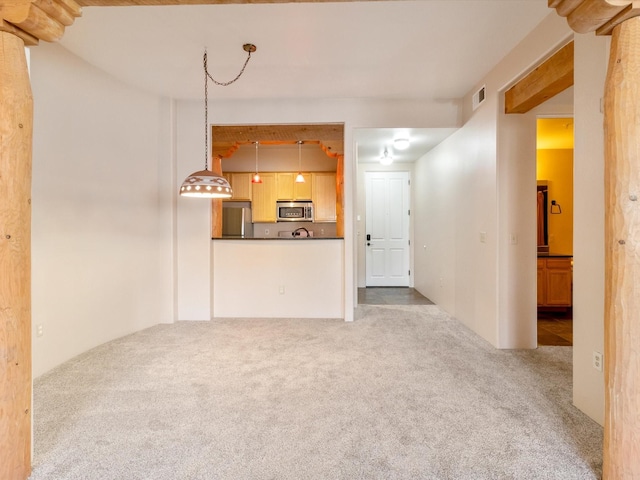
<point>240,184</point>
<point>324,196</point>
<point>288,189</point>
<point>264,197</point>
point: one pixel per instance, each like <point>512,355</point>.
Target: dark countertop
<point>279,238</point>
<point>554,255</point>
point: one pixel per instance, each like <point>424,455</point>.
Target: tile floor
<point>555,328</point>
<point>391,296</point>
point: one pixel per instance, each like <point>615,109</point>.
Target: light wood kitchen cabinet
<point>324,196</point>
<point>240,184</point>
<point>264,196</point>
<point>555,281</point>
<point>288,189</point>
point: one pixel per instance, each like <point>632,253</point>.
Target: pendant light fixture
<point>205,183</point>
<point>299,177</point>
<point>386,159</point>
<point>256,177</point>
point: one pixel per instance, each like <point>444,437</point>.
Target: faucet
<point>296,232</point>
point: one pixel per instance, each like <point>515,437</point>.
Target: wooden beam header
<point>226,139</point>
<point>550,78</point>
<point>133,3</point>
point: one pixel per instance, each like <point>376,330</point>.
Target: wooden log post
<point>622,258</point>
<point>16,126</point>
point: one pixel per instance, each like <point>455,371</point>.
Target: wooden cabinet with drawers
<point>555,282</point>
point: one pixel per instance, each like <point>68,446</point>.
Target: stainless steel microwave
<point>294,211</point>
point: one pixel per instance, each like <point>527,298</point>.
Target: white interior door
<point>387,234</point>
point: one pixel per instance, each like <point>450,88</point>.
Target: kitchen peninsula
<point>278,278</point>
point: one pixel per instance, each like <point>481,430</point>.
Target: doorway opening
<point>554,175</point>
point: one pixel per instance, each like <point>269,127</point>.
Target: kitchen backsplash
<point>272,230</point>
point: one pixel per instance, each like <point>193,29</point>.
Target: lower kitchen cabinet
<point>263,202</point>
<point>555,282</point>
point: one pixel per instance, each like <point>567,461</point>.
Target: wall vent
<point>479,97</point>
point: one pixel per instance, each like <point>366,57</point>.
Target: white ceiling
<point>424,49</point>
<point>373,141</point>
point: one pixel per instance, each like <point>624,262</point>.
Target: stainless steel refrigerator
<point>236,222</point>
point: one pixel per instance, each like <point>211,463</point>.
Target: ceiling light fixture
<point>386,159</point>
<point>256,177</point>
<point>205,183</point>
<point>401,143</point>
<point>299,177</point>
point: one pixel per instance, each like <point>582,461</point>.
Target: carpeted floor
<point>404,392</point>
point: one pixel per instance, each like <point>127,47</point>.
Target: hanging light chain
<point>249,48</point>
<point>206,112</point>
<point>256,157</point>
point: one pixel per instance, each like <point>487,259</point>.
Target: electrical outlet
<point>39,330</point>
<point>281,290</point>
<point>513,239</point>
<point>441,282</point>
<point>598,361</point>
<point>483,237</point>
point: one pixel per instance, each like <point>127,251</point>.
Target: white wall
<point>101,247</point>
<point>435,203</point>
<point>591,56</point>
<point>471,202</point>
<point>194,252</point>
<point>455,187</point>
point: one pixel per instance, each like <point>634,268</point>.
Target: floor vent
<point>479,97</point>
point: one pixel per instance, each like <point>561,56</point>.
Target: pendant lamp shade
<point>206,184</point>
